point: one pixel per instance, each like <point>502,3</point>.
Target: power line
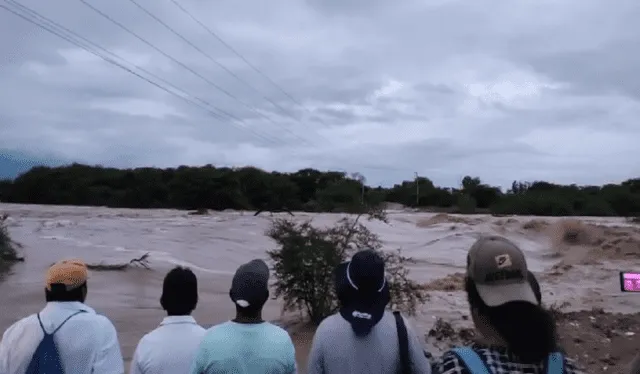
<point>117,64</point>
<point>52,29</point>
<point>123,27</point>
<point>172,30</point>
<point>239,55</point>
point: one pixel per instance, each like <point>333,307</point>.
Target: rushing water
<point>214,245</point>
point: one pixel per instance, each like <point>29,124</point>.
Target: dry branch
<point>141,261</point>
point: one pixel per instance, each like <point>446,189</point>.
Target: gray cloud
<point>512,90</point>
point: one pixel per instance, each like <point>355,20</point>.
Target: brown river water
<point>215,245</point>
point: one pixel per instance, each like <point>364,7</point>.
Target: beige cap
<point>72,273</point>
<point>499,270</point>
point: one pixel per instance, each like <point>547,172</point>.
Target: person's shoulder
<point>273,328</point>
<point>219,331</point>
<point>101,325</point>
<point>31,318</point>
<point>390,317</point>
<point>277,333</point>
<point>332,322</point>
<point>224,326</point>
<point>448,363</point>
<point>150,337</point>
<point>100,321</point>
<point>199,330</point>
<point>18,326</point>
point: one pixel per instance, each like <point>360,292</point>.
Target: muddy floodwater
<point>214,245</point>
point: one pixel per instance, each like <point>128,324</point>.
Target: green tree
<point>306,257</point>
<point>219,188</point>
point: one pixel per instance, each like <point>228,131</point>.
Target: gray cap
<point>249,283</point>
<point>499,270</point>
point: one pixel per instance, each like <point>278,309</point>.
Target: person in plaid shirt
<point>517,335</point>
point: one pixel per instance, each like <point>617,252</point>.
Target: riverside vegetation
<point>250,188</point>
<point>306,257</point>
<point>8,247</point>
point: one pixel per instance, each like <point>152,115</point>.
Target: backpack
<point>46,359</point>
<point>475,364</point>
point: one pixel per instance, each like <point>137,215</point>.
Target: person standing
<point>363,337</point>
<point>517,335</point>
<point>247,344</point>
<point>66,336</point>
<point>172,346</point>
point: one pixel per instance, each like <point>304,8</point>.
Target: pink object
<point>631,275</point>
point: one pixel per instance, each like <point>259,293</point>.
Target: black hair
<point>528,330</point>
<point>179,292</point>
<point>59,292</point>
<point>535,286</point>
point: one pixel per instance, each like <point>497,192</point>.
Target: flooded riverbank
<point>214,245</point>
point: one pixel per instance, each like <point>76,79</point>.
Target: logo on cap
<point>357,314</point>
<point>503,261</point>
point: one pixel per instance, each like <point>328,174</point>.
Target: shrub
<point>8,248</point>
<point>466,204</point>
<point>306,257</point>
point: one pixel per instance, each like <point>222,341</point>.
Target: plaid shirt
<point>498,359</point>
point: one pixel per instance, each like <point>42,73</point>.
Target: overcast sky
<point>503,90</point>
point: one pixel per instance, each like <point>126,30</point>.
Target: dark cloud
<point>515,90</point>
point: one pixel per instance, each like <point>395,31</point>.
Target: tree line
<point>250,188</point>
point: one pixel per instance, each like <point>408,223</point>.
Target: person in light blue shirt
<point>247,344</point>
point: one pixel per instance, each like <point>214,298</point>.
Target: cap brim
<point>496,295</point>
<point>340,276</point>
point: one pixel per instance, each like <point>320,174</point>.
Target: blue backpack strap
<point>555,363</point>
<point>472,361</point>
<point>65,321</point>
<point>58,328</point>
<point>41,325</point>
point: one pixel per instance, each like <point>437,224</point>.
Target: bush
<point>8,248</point>
<point>466,204</point>
<point>304,263</point>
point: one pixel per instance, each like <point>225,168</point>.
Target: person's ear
<point>231,295</point>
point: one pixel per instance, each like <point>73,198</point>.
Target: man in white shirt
<point>87,342</point>
<point>171,347</point>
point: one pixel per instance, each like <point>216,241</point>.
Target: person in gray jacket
<point>362,337</point>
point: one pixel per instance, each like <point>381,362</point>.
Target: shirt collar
<point>72,306</point>
<point>172,320</point>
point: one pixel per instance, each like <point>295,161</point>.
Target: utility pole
<point>360,178</point>
<point>417,190</point>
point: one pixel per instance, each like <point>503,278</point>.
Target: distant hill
<point>14,163</point>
